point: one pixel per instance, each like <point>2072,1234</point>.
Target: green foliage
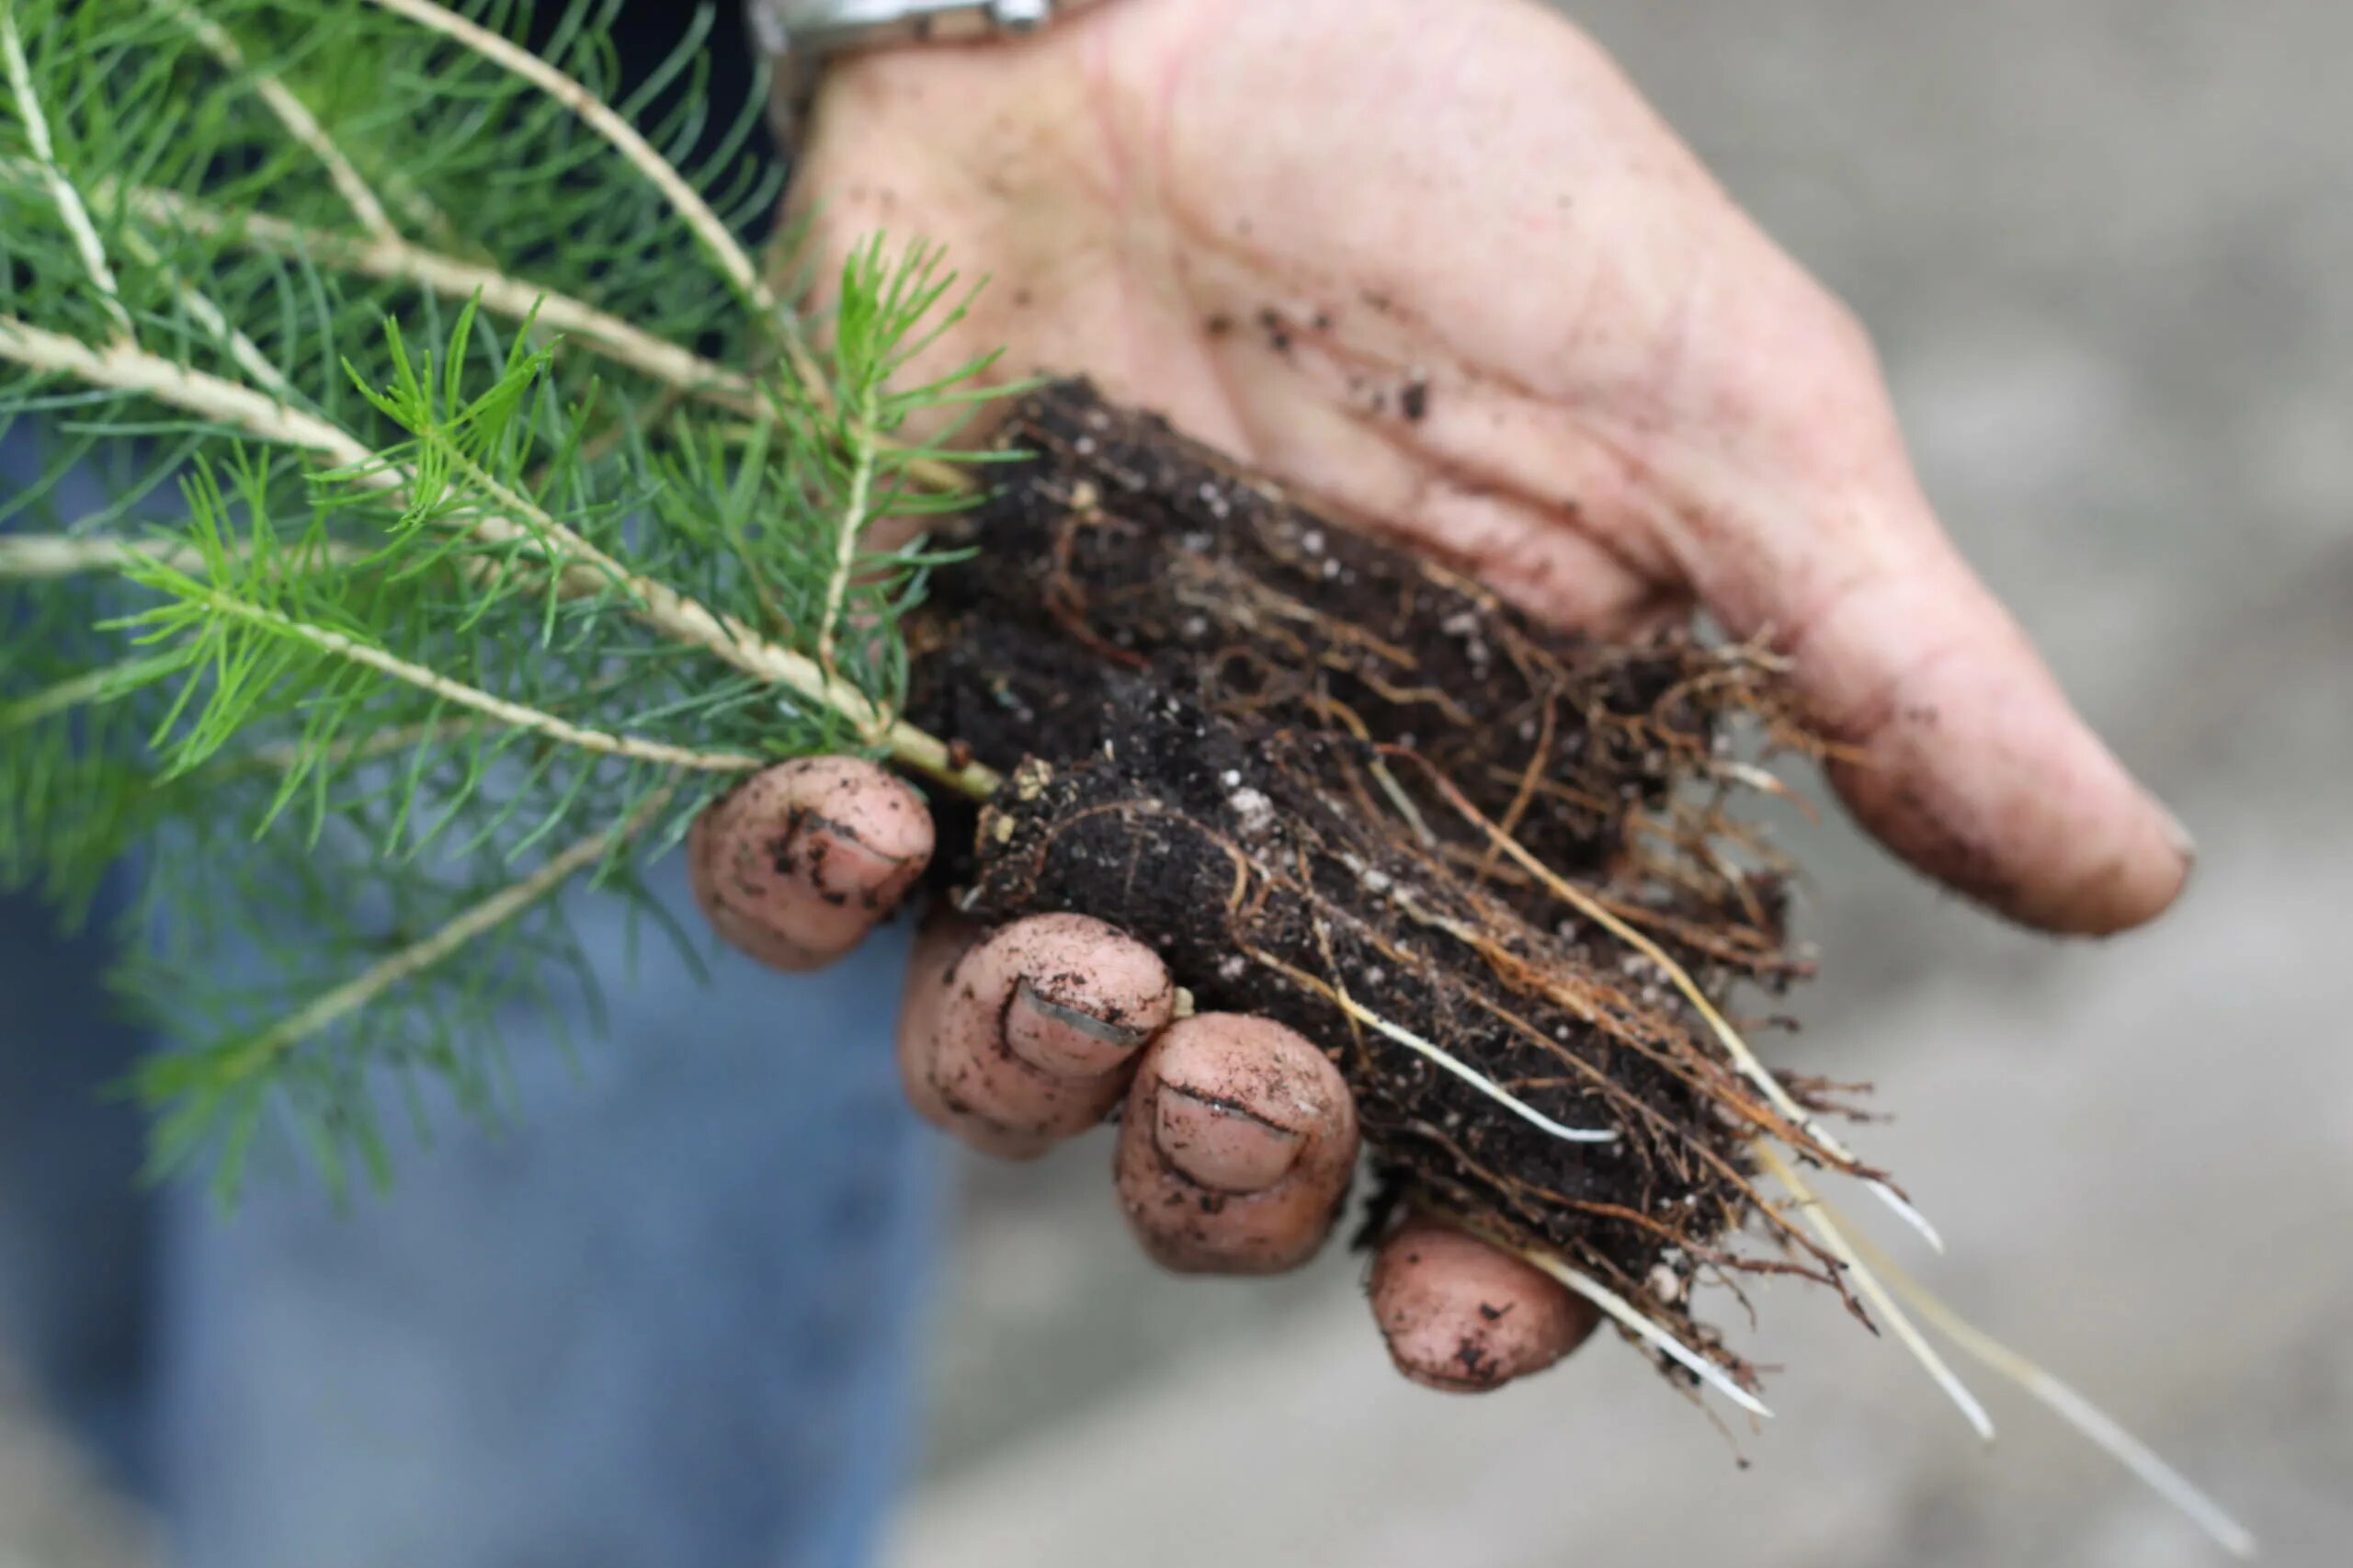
<point>389,444</point>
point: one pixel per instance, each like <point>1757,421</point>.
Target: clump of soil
<point>1289,757</point>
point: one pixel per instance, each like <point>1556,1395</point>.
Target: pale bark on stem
<point>395,260</point>
<point>515,715</point>
<point>213,320</point>
<point>579,566</point>
<point>70,210</point>
<point>91,686</point>
<point>38,557</point>
<point>851,526</point>
<point>328,1009</point>
<point>734,261</point>
<point>292,113</point>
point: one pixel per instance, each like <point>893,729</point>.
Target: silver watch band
<point>800,36</point>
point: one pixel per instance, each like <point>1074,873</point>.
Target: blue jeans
<point>669,1316</point>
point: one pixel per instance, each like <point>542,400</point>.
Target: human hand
<point>1442,266</point>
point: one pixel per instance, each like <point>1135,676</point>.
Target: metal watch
<point>800,36</point>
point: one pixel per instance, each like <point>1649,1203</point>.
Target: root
<point>1837,1241</point>
<point>1628,1317</point>
<point>2102,1429</point>
<point>1735,1046</point>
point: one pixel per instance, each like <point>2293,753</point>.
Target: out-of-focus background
<point>2106,249</point>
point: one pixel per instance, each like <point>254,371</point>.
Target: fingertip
<point>1087,998</point>
<point>1021,1039</point>
<point>1971,765</point>
<point>797,863</point>
<point>1460,1316</point>
<point>1236,1150</point>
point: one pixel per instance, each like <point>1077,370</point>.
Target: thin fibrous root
<point>1423,1048</point>
<point>2095,1424</point>
<point>1836,1240</point>
<point>1747,1060</point>
<point>1628,1316</point>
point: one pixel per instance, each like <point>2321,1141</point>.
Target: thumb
<point>1956,746</point>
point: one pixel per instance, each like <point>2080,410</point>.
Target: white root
<point>1836,1240</point>
<point>1624,1313</point>
<point>2072,1407</point>
<point>1438,1055</point>
<point>1747,1060</point>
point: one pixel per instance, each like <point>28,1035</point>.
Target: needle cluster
<point>416,500</point>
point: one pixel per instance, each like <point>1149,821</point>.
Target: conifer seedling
<point>432,506</point>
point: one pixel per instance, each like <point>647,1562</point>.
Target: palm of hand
<point>1442,266</point>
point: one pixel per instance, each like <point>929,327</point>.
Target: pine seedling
<point>468,511</point>
<point>427,504</point>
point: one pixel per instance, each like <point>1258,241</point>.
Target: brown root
<point>1487,868</point>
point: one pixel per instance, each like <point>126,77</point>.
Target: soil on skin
<point>1281,753</point>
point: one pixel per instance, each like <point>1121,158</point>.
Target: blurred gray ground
<point>2104,247</point>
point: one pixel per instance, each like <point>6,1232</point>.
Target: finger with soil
<point>1021,1039</point>
<point>1236,1148</point>
<point>798,863</point>
<point>1460,1316</point>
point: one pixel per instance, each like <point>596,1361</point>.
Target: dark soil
<point>1281,753</point>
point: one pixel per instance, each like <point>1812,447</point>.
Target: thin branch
<point>514,714</point>
<point>210,316</point>
<point>76,217</point>
<point>395,260</point>
<point>322,1012</point>
<point>851,528</point>
<point>91,686</point>
<point>41,557</point>
<point>292,113</point>
<point>283,757</point>
<point>734,261</point>
<point>580,567</point>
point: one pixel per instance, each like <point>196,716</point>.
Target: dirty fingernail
<point>1068,1041</point>
<point>841,868</point>
<point>1221,1144</point>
